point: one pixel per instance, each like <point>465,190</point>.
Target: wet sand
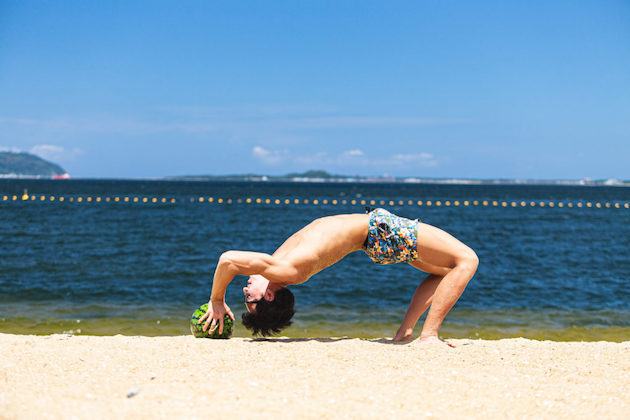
<point>64,376</point>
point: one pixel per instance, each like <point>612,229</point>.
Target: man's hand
<point>214,315</point>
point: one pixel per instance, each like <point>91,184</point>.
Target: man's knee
<point>468,260</point>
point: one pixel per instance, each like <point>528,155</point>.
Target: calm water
<point>142,268</point>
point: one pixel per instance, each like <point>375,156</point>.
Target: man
<point>383,236</point>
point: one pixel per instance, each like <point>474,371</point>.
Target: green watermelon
<point>197,329</point>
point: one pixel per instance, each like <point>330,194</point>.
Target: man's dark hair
<point>271,315</point>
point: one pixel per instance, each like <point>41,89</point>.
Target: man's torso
<point>323,242</point>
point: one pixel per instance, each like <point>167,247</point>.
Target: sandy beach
<point>64,376</point>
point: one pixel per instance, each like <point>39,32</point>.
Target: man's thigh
<point>439,248</point>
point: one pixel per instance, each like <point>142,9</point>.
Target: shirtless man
<point>383,236</point>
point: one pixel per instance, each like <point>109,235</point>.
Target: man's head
<point>270,306</point>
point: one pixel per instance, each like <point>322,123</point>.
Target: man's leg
<point>420,302</point>
<point>440,249</point>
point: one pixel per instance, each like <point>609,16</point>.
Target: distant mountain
<point>26,165</point>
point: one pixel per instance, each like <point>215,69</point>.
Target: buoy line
<point>314,201</point>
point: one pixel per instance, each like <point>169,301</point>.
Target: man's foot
<point>433,339</point>
<point>403,335</point>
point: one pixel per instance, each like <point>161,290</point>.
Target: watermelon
<point>197,329</point>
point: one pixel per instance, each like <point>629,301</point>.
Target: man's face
<point>254,291</point>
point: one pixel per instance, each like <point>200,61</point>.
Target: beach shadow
<point>324,340</point>
<point>388,341</point>
<point>299,340</point>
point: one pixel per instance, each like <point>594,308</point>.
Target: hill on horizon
<point>24,164</point>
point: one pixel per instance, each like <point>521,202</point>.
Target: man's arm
<point>245,263</point>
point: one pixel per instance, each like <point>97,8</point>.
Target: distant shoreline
<point>338,180</point>
<point>400,180</point>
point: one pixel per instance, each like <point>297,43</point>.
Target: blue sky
<point>537,89</point>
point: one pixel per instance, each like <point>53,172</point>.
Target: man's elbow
<point>226,260</point>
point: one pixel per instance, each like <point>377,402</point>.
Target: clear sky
<point>475,89</point>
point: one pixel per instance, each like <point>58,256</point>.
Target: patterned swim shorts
<point>391,239</point>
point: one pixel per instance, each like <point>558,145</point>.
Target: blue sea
<point>136,257</point>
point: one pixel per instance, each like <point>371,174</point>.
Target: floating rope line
<point>315,202</point>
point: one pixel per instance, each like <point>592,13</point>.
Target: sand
<point>88,377</point>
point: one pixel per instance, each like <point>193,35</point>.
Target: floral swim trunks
<point>391,239</point>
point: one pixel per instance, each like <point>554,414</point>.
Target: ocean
<point>136,257</point>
